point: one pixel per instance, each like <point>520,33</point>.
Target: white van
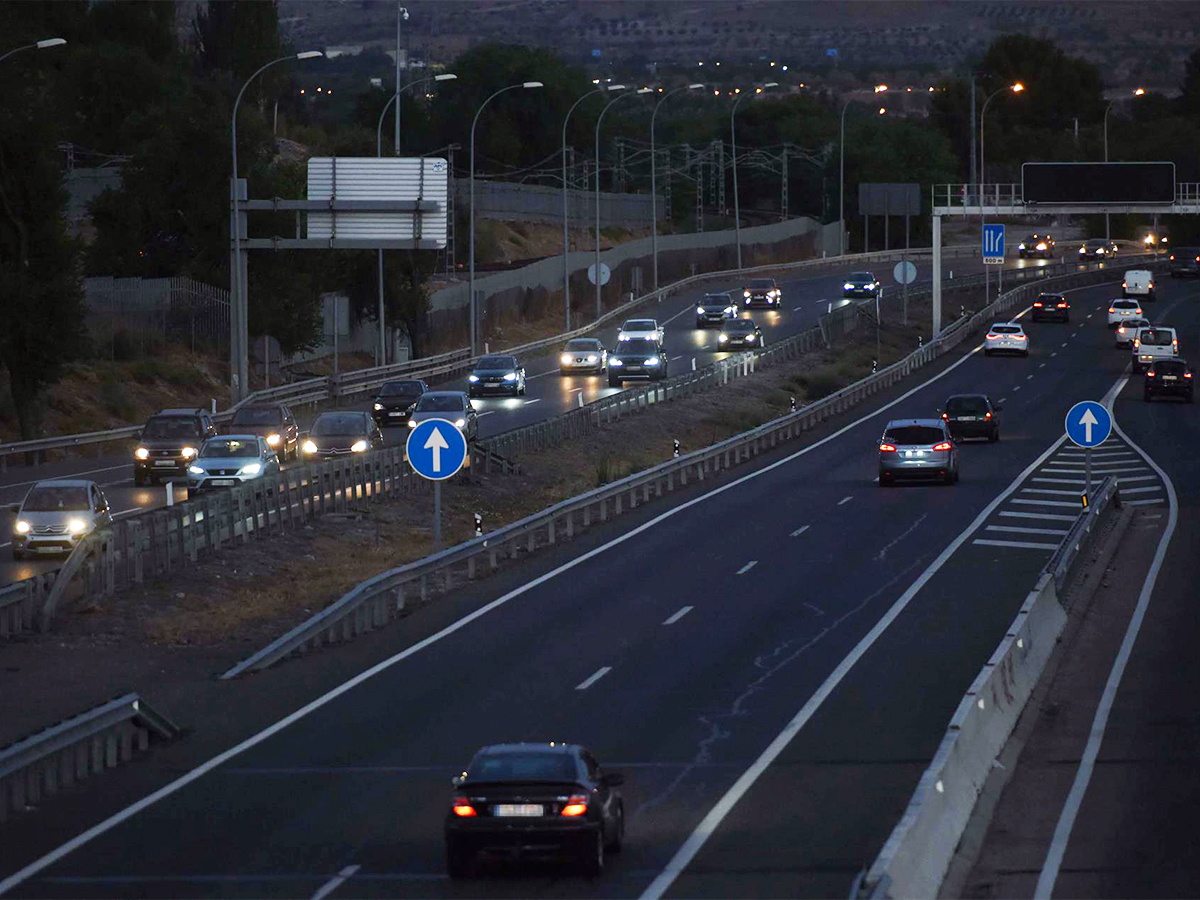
<point>1138,283</point>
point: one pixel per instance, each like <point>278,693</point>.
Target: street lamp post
<point>395,98</point>
<point>565,192</point>
<point>1137,93</point>
<point>238,327</point>
<point>527,85</point>
<point>879,89</point>
<point>637,93</point>
<point>653,172</point>
<point>737,212</point>
<point>37,45</point>
<point>1016,89</point>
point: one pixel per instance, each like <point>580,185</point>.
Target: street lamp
<point>653,170</point>
<point>1016,89</point>
<point>1138,92</point>
<point>878,89</point>
<point>526,85</point>
<point>566,238</point>
<point>737,213</point>
<point>379,152</point>
<point>38,45</point>
<point>636,93</point>
<point>239,330</point>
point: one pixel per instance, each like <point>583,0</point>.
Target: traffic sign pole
<point>437,515</point>
<point>436,449</point>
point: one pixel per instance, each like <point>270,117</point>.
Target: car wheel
<point>614,845</point>
<point>593,857</point>
<point>458,861</point>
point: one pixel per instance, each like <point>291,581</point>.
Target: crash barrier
<point>374,602</point>
<point>156,542</point>
<point>55,758</point>
<point>916,856</point>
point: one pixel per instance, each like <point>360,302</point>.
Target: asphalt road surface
<point>772,662</point>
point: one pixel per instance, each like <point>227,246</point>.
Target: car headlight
<point>699,310</point>
<point>141,453</point>
<point>188,452</point>
<point>613,361</point>
<point>460,423</point>
<point>775,293</point>
<point>412,423</point>
<point>310,447</point>
<point>22,527</point>
<point>872,286</point>
<point>510,376</point>
<point>273,439</point>
<point>472,378</point>
<point>358,446</point>
<point>730,310</point>
<point>565,359</point>
<point>653,361</point>
<point>377,407</point>
<point>77,526</point>
<point>593,359</point>
<point>251,469</point>
<point>723,338</point>
<point>1083,249</point>
<point>847,286</point>
<point>1020,246</point>
<point>746,295</point>
<point>195,470</point>
<point>622,336</point>
<point>1041,246</point>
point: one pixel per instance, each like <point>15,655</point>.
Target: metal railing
<point>961,196</point>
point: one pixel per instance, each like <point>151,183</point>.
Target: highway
<point>548,394</point>
<point>771,663</point>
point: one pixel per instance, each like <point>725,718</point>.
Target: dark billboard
<point>1115,182</point>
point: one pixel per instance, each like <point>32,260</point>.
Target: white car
<point>1128,329</point>
<point>1006,337</point>
<point>646,329</point>
<point>1138,283</point>
<point>1120,310</point>
<point>1152,344</point>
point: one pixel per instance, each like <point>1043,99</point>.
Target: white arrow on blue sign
<point>1088,423</point>
<point>436,449</point>
<point>992,248</point>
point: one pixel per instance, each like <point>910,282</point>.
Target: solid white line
<point>1026,545</point>
<point>593,678</point>
<point>846,499</point>
<point>254,740</point>
<point>747,567</point>
<point>1040,516</point>
<point>489,412</point>
<point>679,615</point>
<point>334,883</point>
<point>673,358</point>
<point>797,308</point>
<point>1066,821</point>
<point>4,487</point>
<point>531,402</point>
<point>1046,503</point>
<point>712,821</point>
<point>799,531</point>
<point>1018,530</point>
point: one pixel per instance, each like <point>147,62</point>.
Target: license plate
<point>224,482</point>
<point>164,462</point>
<point>1170,378</point>
<point>914,452</point>
<point>526,810</point>
<point>395,414</point>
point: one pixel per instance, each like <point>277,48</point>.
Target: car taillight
<point>1019,337</point>
<point>1138,311</point>
<point>1149,373</point>
<point>987,415</point>
<point>1123,284</point>
<point>1175,343</point>
<point>886,448</point>
<point>462,808</point>
<point>577,805</point>
<point>1037,305</point>
<point>1112,310</point>
<point>945,415</point>
<point>1187,374</point>
<point>1063,305</point>
<point>944,445</point>
<point>1150,285</point>
<point>1121,330</point>
<point>992,337</point>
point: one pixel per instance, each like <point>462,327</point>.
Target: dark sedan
<point>273,421</point>
<point>738,334</point>
<point>339,433</point>
<point>861,284</point>
<point>763,291</point>
<point>395,401</point>
<point>715,309</point>
<point>168,443</point>
<point>534,801</point>
<point>1169,378</point>
<point>1047,306</point>
<point>1185,262</point>
<point>636,358</point>
<point>972,416</point>
<point>498,374</point>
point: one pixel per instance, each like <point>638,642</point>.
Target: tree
<point>1189,99</point>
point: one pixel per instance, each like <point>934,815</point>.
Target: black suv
<point>1046,306</point>
<point>168,443</point>
<point>1169,378</point>
<point>1185,262</point>
<point>395,401</point>
<point>971,416</point>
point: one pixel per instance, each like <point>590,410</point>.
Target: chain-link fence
<point>127,317</point>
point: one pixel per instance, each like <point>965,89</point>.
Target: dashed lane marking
<point>747,567</point>
<point>334,883</point>
<point>799,531</point>
<point>846,499</point>
<point>679,615</point>
<point>593,678</point>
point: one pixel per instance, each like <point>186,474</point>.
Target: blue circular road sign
<point>1088,423</point>
<point>436,449</point>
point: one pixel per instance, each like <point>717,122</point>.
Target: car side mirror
<point>613,779</point>
<point>456,781</point>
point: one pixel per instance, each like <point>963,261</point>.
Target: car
<point>56,515</point>
<point>643,329</point>
<point>862,284</point>
<point>913,449</point>
<point>534,801</point>
<point>454,406</point>
<point>1168,378</point>
<point>274,421</point>
<point>498,374</point>
<point>1127,329</point>
<point>740,334</point>
<point>715,309</point>
<point>1185,262</point>
<point>972,416</point>
<point>338,433</point>
<point>762,291</point>
<point>583,355</point>
<point>1138,283</point>
<point>1152,344</point>
<point>1095,249</point>
<point>1036,245</point>
<point>228,460</point>
<point>1006,337</point>
<point>168,442</point>
<point>395,401</point>
<point>1046,306</point>
<point>636,358</point>
<point>1120,310</point>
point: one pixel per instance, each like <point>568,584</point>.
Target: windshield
<point>738,326</point>
<point>1170,366</point>
<point>640,325</point>
<point>497,362</point>
<point>1006,329</point>
<point>401,389</point>
<point>861,276</point>
<point>966,406</point>
<point>716,298</point>
<point>914,434</point>
<point>523,767</point>
<point>257,415</point>
<point>171,427</point>
<point>639,346</point>
<point>1124,304</point>
<point>1155,338</point>
<point>767,283</point>
<point>339,423</point>
<point>1051,298</point>
<point>222,447</point>
<point>440,403</point>
<point>1135,323</point>
<point>48,499</point>
<point>582,344</point>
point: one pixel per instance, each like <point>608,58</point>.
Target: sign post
<point>1088,425</point>
<point>436,450</point>
<point>992,251</point>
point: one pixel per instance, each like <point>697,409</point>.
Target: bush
<point>113,399</point>
<point>148,371</point>
<point>822,384</point>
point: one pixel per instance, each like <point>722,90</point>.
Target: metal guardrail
<point>86,744</point>
<point>1080,533</point>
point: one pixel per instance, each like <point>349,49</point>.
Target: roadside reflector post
<point>676,443</point>
<point>793,404</point>
<point>170,493</point>
<point>579,396</point>
<point>693,364</point>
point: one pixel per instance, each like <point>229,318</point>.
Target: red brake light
<point>944,445</point>
<point>463,808</point>
<point>945,415</point>
<point>1063,305</point>
<point>988,416</point>
<point>1149,373</point>
<point>1019,337</point>
<point>1172,256</point>
<point>1037,303</point>
<point>1150,285</point>
<point>577,805</point>
<point>1138,311</point>
<point>886,448</point>
<point>1187,374</point>
<point>992,337</point>
<point>1124,284</point>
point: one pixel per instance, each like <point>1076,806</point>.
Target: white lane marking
<point>1155,516</point>
<point>794,309</point>
<point>1055,353</point>
<point>1042,366</point>
<point>799,531</point>
<point>1089,315</point>
<point>1153,502</point>
<point>1066,821</point>
<point>1029,378</point>
<point>1038,516</point>
<point>1049,491</point>
<point>593,678</point>
<point>845,499</point>
<point>679,615</point>
<point>1059,480</point>
<point>1019,530</point>
<point>15,484</point>
<point>1017,388</point>
<point>1048,503</point>
<point>712,821</point>
<point>1125,479</point>
<point>1142,490</point>
<point>531,402</point>
<point>576,390</point>
<point>673,358</point>
<point>1024,545</point>
<point>334,883</point>
<point>1063,344</point>
<point>747,567</point>
<point>1002,399</point>
<point>482,414</point>
<point>816,609</point>
<point>271,730</point>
